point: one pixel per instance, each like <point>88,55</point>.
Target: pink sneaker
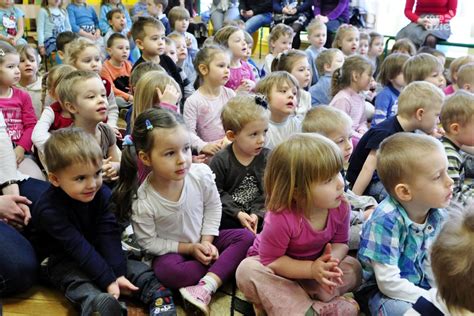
<point>198,296</point>
<point>338,306</point>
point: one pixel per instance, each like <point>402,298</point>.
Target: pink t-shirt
<point>449,90</point>
<point>238,74</point>
<point>353,104</point>
<point>287,233</point>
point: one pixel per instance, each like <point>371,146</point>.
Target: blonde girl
<point>83,20</point>
<point>176,211</point>
<point>453,72</point>
<point>298,264</point>
<point>105,7</point>
<point>52,20</point>
<point>30,79</point>
<point>279,40</point>
<point>352,78</point>
<point>241,77</point>
<point>296,63</point>
<point>84,54</point>
<point>347,39</point>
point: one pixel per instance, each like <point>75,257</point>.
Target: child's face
<point>342,136</point>
<point>436,78</point>
<point>118,22</point>
<point>281,45</point>
<point>28,66</point>
<point>89,59</point>
<point>376,49</point>
<point>153,44</point>
<point>328,194</point>
<point>237,44</point>
<point>363,80</point>
<point>218,71</point>
<point>317,38</point>
<point>350,43</point>
<point>6,3</point>
<point>399,81</point>
<point>429,118</point>
<point>249,50</point>
<point>170,51</point>
<point>302,72</point>
<point>363,47</point>
<point>10,70</point>
<point>80,181</point>
<point>91,101</point>
<point>181,26</point>
<point>181,49</point>
<point>153,9</point>
<point>250,140</point>
<point>283,99</point>
<point>120,50</point>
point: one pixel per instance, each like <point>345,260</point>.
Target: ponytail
<point>335,81</point>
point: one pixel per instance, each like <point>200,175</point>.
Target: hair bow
<point>127,140</point>
<point>260,100</point>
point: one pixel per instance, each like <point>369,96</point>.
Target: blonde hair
<point>67,89</point>
<point>326,57</point>
<point>420,67</point>
<point>364,36</point>
<point>138,27</point>
<point>27,51</point>
<point>146,96</point>
<point>177,13</point>
<point>241,110</point>
<point>404,44</point>
<point>294,166</point>
<point>277,79</point>
<point>141,70</point>
<point>452,259</point>
<point>458,108</point>
<point>222,36</point>
<point>341,32</point>
<point>286,61</point>
<point>56,75</point>
<point>175,36</point>
<point>76,47</point>
<point>418,95</point>
<point>456,64</point>
<point>391,67</point>
<point>278,31</point>
<point>7,48</point>
<point>248,38</point>
<point>342,77</point>
<point>466,75</point>
<point>398,158</point>
<point>373,36</point>
<point>325,120</point>
<point>315,25</point>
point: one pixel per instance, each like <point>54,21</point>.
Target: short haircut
<point>466,75</point>
<point>420,67</point>
<point>164,3</point>
<point>458,63</point>
<point>398,158</point>
<point>113,37</point>
<point>325,120</point>
<point>176,14</point>
<point>56,75</point>
<point>241,110</point>
<point>326,57</point>
<point>277,79</point>
<point>391,67</point>
<point>452,259</point>
<point>418,95</point>
<point>65,38</point>
<point>364,36</point>
<point>431,51</point>
<point>140,70</point>
<point>68,146</point>
<point>404,44</point>
<point>67,89</point>
<point>176,36</point>
<point>111,13</point>
<point>315,25</point>
<point>294,166</point>
<point>76,47</point>
<point>458,108</point>
<point>280,30</point>
<point>138,27</point>
<point>373,36</point>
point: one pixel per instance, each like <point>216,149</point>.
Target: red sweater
<point>445,9</point>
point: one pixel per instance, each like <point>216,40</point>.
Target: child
<point>419,105</point>
<point>84,20</point>
<point>451,261</point>
<point>296,63</point>
<point>171,50</point>
<point>404,46</point>
<point>12,26</point>
<point>185,62</point>
<point>62,42</point>
<point>179,22</point>
<point>280,39</point>
<point>176,211</point>
<point>298,264</point>
<point>424,67</point>
<point>117,69</point>
<point>80,237</point>
<point>117,23</point>
<point>327,62</point>
<point>202,110</point>
<point>30,79</point>
<point>391,78</point>
<point>155,8</point>
<point>239,166</point>
<point>241,77</point>
<point>248,57</point>
<point>52,20</point>
<point>105,7</point>
<point>457,118</point>
<point>364,40</point>
<point>395,240</point>
<point>295,13</point>
<point>466,77</point>
<point>436,53</point>
<point>347,39</point>
<point>453,72</point>
<point>375,50</point>
<point>281,89</point>
<point>348,81</point>
<point>317,34</point>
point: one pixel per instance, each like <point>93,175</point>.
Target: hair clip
<point>260,100</point>
<point>128,140</point>
<point>148,124</point>
<point>2,53</point>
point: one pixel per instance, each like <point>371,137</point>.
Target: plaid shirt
<point>390,237</point>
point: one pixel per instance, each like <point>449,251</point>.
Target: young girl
<point>16,107</point>
<point>52,20</point>
<point>282,91</point>
<point>347,39</point>
<point>375,50</point>
<point>391,78</point>
<point>84,54</point>
<point>30,79</point>
<point>185,62</point>
<point>279,40</point>
<point>176,211</point>
<point>347,82</point>
<point>84,20</point>
<point>295,13</point>
<point>364,40</point>
<point>296,63</point>
<point>453,72</point>
<point>241,77</point>
<point>12,23</point>
<point>298,264</point>
<point>404,46</point>
<point>106,6</point>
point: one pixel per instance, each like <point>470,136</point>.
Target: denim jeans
<point>257,21</point>
<point>381,305</point>
<point>218,17</point>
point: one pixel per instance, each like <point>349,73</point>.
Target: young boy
<point>239,167</point>
<point>62,41</point>
<point>457,118</point>
<point>280,40</point>
<point>419,105</point>
<point>79,235</point>
<point>327,62</point>
<point>424,67</point>
<point>317,34</point>
<point>170,49</point>
<point>117,22</point>
<point>466,77</point>
<point>396,238</point>
<point>117,69</point>
<point>179,22</point>
<point>185,62</point>
<point>155,9</point>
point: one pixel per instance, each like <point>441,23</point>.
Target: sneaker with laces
<point>197,296</point>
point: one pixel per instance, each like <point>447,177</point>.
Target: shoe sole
<point>198,305</point>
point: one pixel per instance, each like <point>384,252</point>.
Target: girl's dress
<point>50,23</point>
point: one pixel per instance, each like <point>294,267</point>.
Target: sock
<point>209,283</point>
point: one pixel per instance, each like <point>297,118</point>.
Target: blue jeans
<point>218,17</point>
<point>257,21</point>
<point>381,305</point>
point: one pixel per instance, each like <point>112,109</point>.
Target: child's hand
<point>109,170</point>
<point>248,221</point>
<point>20,154</point>
<point>113,289</point>
<point>126,287</point>
<point>425,22</point>
<point>170,95</point>
<point>246,85</point>
<point>211,149</point>
<point>189,42</point>
<point>117,133</point>
<point>325,270</point>
<point>201,253</point>
<point>212,250</point>
<point>199,158</point>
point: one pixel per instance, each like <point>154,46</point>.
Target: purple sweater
<point>333,9</point>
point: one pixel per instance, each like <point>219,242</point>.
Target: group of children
<point>270,176</point>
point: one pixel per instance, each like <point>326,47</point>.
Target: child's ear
<point>419,114</point>
<point>68,106</point>
<point>53,179</point>
<point>402,192</point>
<point>327,67</point>
<point>203,69</point>
<point>108,49</point>
<point>139,43</point>
<point>145,158</point>
<point>454,128</point>
<point>61,54</point>
<point>355,76</point>
<point>230,135</point>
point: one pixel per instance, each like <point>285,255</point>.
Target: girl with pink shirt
<point>298,264</point>
<point>241,75</point>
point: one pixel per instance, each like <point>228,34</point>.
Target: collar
<point>447,140</point>
<point>392,88</point>
<point>434,217</point>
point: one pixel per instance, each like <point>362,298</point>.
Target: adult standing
<point>295,13</point>
<point>429,21</point>
<point>223,10</point>
<point>256,14</point>
<point>333,13</point>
